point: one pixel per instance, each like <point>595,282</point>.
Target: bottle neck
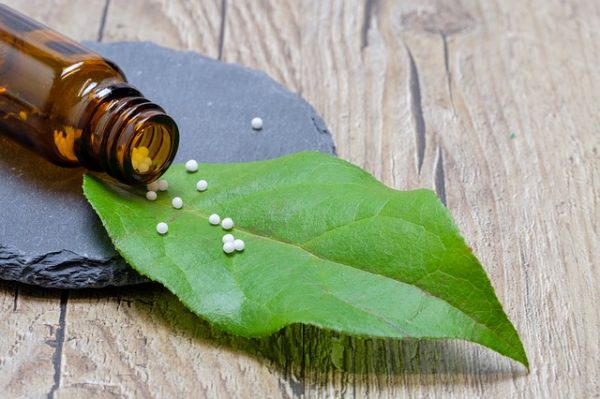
<point>126,136</point>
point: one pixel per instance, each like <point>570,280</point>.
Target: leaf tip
<point>522,358</point>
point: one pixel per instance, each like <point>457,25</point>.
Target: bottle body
<point>74,107</point>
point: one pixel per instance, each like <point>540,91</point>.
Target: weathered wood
<point>492,103</point>
<point>80,20</point>
<point>488,102</point>
<point>181,24</point>
<point>141,342</point>
<point>31,333</point>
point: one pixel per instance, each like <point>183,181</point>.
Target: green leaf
<point>326,244</point>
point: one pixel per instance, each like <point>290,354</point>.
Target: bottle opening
<point>152,148</point>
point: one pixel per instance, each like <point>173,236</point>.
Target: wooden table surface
<point>493,103</point>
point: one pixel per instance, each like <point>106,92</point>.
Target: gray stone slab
<point>49,236</point>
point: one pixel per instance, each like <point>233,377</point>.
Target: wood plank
<point>179,24</point>
<point>141,342</point>
<point>79,20</point>
<point>31,332</point>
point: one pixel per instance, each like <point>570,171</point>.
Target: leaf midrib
<point>199,213</point>
<point>300,185</point>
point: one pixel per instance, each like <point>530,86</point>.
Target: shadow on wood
<point>298,353</point>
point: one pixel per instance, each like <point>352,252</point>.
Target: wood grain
<point>80,20</point>
<point>180,24</point>
<point>492,103</point>
<point>30,335</point>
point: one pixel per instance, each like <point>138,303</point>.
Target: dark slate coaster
<point>49,236</point>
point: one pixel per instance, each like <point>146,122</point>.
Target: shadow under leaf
<point>297,351</point>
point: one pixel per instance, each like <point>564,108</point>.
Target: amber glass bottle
<point>74,107</point>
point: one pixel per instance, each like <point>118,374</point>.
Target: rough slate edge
<point>67,269</point>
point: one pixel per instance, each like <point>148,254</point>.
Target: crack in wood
<point>59,341</point>
<point>371,7</point>
<point>439,179</point>
<point>16,297</point>
<point>416,110</point>
<point>447,65</point>
<point>103,21</point>
<point>222,28</point>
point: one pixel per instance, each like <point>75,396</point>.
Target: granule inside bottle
<point>140,160</point>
